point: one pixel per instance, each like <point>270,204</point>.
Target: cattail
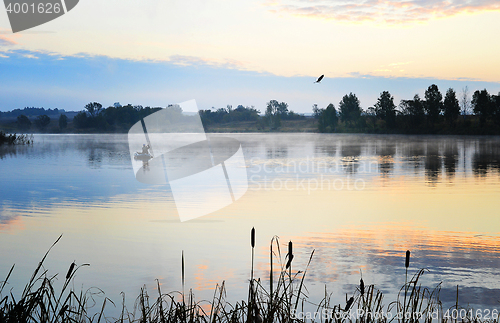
<point>362,287</point>
<point>70,271</point>
<point>252,238</point>
<point>290,254</point>
<point>182,271</point>
<point>289,262</point>
<point>349,303</point>
<point>407,262</point>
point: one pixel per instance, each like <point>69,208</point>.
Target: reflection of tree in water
<point>386,152</point>
<point>413,153</point>
<point>105,150</point>
<point>350,153</point>
<point>486,158</point>
<point>328,150</point>
<point>97,150</point>
<point>277,152</point>
<point>95,158</point>
<point>432,163</point>
<point>450,157</point>
<point>14,151</point>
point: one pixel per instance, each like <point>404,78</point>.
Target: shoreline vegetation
<point>15,139</point>
<point>448,114</point>
<point>280,298</point>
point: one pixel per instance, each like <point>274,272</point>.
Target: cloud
<point>4,41</point>
<point>182,60</point>
<point>385,11</point>
<point>70,82</point>
<point>30,56</point>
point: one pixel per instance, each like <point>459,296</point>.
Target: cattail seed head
<point>290,248</point>
<point>362,287</point>
<point>252,238</point>
<point>70,271</point>
<point>407,262</point>
<point>182,268</point>
<point>289,262</point>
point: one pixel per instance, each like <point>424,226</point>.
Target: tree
<point>433,103</point>
<point>273,113</point>
<point>417,107</point>
<point>81,120</point>
<point>316,111</point>
<point>93,108</point>
<point>63,121</point>
<point>350,110</point>
<point>496,107</point>
<point>413,110</point>
<point>327,119</point>
<point>242,113</point>
<point>482,105</point>
<point>42,121</point>
<point>465,102</point>
<point>451,106</point>
<point>282,109</point>
<point>385,109</point>
<point>23,122</point>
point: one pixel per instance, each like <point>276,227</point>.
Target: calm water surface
<point>359,200</point>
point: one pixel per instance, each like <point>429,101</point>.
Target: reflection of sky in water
<point>463,259</point>
<point>437,196</point>
<point>65,169</point>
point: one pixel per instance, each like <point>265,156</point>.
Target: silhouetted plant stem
<point>407,264</point>
<point>182,276</point>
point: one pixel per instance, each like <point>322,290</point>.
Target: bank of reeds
<point>283,301</point>
<point>15,139</point>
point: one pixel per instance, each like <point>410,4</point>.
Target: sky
<point>221,52</point>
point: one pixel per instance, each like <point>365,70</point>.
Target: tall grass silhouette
<point>280,302</point>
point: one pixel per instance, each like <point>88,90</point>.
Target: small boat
<point>141,156</point>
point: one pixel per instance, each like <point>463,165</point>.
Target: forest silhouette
<point>435,113</point>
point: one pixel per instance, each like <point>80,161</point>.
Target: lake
<point>360,201</point>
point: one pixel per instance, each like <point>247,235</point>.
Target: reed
<point>182,276</point>
<point>252,312</point>
<point>407,264</point>
<point>286,295</point>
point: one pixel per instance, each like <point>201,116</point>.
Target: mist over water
<point>360,201</point>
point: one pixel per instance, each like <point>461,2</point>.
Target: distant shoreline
<point>304,125</point>
<point>308,125</point>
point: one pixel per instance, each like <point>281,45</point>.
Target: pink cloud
<point>387,11</point>
<point>4,41</point>
<point>199,61</point>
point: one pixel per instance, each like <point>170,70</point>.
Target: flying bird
<point>319,79</point>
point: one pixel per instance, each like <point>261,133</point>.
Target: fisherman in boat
<point>145,156</point>
<point>145,149</point>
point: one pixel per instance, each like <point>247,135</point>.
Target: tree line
<point>432,114</point>
<point>114,118</point>
<point>121,118</point>
<point>31,112</point>
<point>275,112</point>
